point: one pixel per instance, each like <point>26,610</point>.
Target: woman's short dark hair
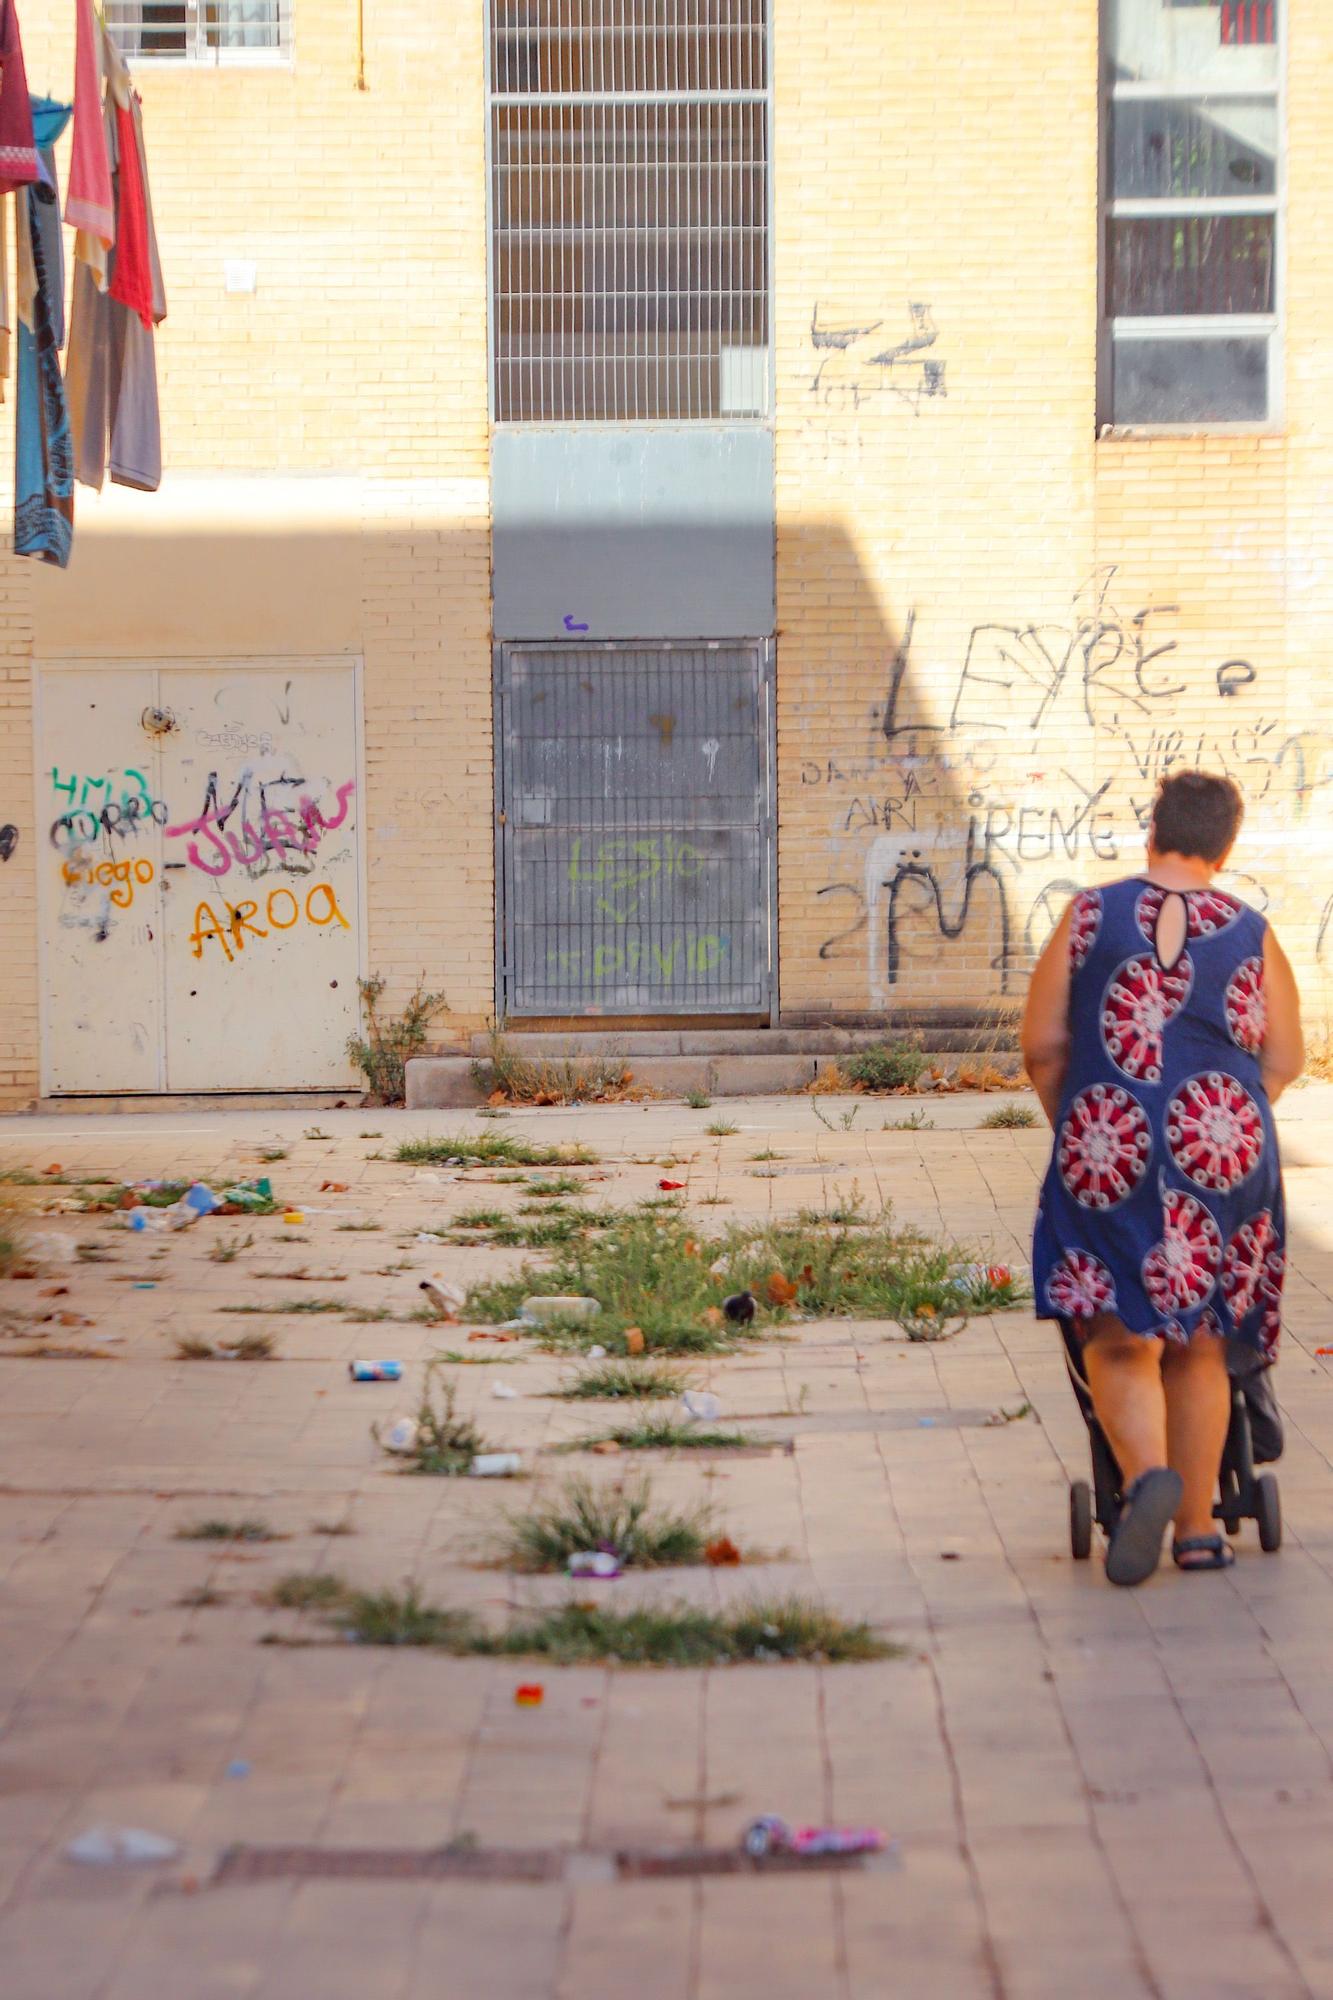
<point>1196,813</point>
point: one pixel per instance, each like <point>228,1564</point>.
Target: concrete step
<point>450,1082</point>
<point>936,1038</point>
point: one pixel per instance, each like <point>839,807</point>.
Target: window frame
<point>1271,326</point>
<point>199,54</point>
<point>764,419</point>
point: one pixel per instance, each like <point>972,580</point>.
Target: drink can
<point>375,1371</point>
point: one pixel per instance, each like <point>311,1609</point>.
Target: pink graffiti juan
<point>276,835</point>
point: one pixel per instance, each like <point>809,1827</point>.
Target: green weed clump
<point>1009,1118</point>
<point>247,1530</point>
<point>584,1517</point>
<point>523,1079</point>
<point>887,1066</point>
<point>446,1443</point>
<point>624,1381</point>
<point>764,1631</point>
<point>491,1148</point>
<point>664,1434</point>
<point>383,1052</point>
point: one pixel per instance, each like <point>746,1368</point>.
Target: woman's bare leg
<point>1124,1372</point>
<point>1198,1411</point>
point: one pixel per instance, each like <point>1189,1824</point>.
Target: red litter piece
<point>670,1187</point>
<point>529,1694</point>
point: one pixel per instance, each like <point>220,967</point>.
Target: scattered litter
<point>602,1563</point>
<point>541,1309</point>
<point>239,1767</point>
<point>634,1340</point>
<point>529,1694</point>
<point>496,1465</point>
<point>293,1215</point>
<point>926,1423</point>
<point>333,1187</point>
<point>950,1556</point>
<point>671,1187</point>
<point>54,1292</point>
<point>250,1197</point>
<point>771,1835</point>
<point>599,1354</point>
<point>55,1168</point>
<point>718,1267</point>
<point>970,1276</point>
<point>375,1371</point>
<point>401,1435</point>
<point>196,1201</point>
<point>144,1285</point>
<point>503,1391</point>
<point>1324,1350</point>
<point>431,1236</point>
<point>722,1553</point>
<point>701,1407</point>
<point>740,1308</point>
<point>447,1298</point>
<point>107,1846</point>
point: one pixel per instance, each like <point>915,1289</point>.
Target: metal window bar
<point>630,247</point>
<point>1220,306</point>
<point>201,31</point>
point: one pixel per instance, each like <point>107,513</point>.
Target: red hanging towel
<point>132,280</point>
<point>89,201</point>
<point>18,155</point>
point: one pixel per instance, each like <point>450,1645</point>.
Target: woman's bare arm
<point>1283,1055</point>
<point>1046,1020</point>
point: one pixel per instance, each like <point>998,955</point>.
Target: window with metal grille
<point>629,210</point>
<point>1193,194</point>
<point>201,31</point>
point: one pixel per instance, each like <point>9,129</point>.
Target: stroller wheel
<point>1080,1519</point>
<point>1268,1512</point>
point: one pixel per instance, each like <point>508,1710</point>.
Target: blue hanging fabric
<point>43,458</point>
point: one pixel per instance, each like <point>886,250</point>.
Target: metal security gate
<point>636,852</point>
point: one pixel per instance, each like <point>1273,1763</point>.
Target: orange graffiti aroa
<point>282,911</point>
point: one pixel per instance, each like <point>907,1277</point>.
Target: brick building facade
<point>996,611</point>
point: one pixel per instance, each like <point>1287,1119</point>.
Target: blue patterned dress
<point>1163,1201</point>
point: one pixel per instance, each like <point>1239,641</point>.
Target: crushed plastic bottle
<point>700,1406</point>
<point>109,1846</point>
<point>542,1309</point>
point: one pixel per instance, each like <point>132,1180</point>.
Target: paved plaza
<point>1091,1792</point>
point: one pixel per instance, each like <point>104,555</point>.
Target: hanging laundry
<point>6,323</point>
<point>43,459</point>
<point>18,149</point>
<point>111,375</point>
<point>89,199</point>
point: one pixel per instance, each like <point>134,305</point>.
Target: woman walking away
<point>1162,1024</point>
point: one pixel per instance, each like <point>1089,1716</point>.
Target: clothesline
<point>101,415</point>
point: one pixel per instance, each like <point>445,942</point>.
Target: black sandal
<point>1214,1546</point>
<point>1136,1543</point>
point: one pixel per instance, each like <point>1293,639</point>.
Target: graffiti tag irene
<point>282,912</point>
<point>268,834</point>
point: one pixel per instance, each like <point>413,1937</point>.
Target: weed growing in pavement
<point>886,1066</point>
<point>227,1253</point>
<point>583,1517</point>
<point>368,1315</point>
<point>332,1528</point>
<point>290,1306</point>
<point>721,1128</point>
<point>382,1053</point>
<point>228,1531</point>
<point>1009,1118</point>
<point>698,1100</point>
<point>845,1119</point>
<point>487,1148</point>
<point>617,1381</point>
<point>271,1153</point>
<point>765,1630</point>
<point>457,1359</point>
<point>542,1187</point>
<point>370,1135</point>
<point>11,1245</point>
<point>203,1599</point>
<point>521,1079</point>
<point>917,1122</point>
<point>767,1154</point>
<point>550,1227</point>
<point>715,1201</point>
<point>344,1228</point>
<point>445,1443</point>
<point>316,1132</point>
<point>250,1347</point>
<point>663,1434</point>
<point>94,1253</point>
<point>307,1591</point>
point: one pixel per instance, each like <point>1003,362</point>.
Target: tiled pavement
<point>1094,1792</point>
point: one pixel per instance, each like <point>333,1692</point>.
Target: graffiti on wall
<point>9,839</point>
<point>982,796</point>
<point>861,367</point>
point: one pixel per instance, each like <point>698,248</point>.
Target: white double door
<point>199,876</point>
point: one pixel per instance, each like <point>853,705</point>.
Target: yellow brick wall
<point>950,160</point>
<point>1015,579</point>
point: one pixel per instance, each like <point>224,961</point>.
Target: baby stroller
<point>1254,1437</point>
